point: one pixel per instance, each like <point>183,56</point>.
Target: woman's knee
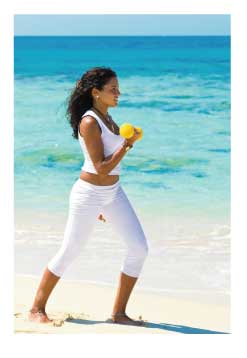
<point>140,248</point>
<point>144,248</point>
<point>135,258</point>
<point>62,260</point>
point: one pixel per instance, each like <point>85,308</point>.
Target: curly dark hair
<point>81,98</point>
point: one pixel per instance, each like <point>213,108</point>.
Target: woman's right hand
<point>134,138</point>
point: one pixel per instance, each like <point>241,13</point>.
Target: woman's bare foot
<point>38,316</point>
<point>122,318</point>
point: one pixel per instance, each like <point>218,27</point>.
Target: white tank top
<point>111,143</point>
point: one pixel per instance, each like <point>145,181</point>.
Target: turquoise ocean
<point>177,177</point>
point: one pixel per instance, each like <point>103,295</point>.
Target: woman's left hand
<point>101,217</point>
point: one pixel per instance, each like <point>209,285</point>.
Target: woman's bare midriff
<point>98,179</point>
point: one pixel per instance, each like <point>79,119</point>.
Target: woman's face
<point>109,94</point>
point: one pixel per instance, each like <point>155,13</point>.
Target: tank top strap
<point>94,115</point>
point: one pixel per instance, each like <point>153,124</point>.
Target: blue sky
<point>113,25</point>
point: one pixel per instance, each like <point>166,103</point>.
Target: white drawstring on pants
<point>86,202</point>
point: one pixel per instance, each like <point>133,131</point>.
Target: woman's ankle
<point>36,309</point>
<point>119,313</point>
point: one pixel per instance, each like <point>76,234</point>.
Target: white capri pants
<point>86,202</point>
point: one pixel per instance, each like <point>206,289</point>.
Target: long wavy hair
<point>81,98</point>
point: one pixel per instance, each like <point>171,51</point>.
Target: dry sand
<point>79,307</point>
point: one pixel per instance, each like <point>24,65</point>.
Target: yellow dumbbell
<point>140,131</point>
<point>127,131</point>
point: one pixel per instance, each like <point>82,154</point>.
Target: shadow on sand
<point>163,326</point>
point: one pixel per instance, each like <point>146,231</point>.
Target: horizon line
<point>122,35</point>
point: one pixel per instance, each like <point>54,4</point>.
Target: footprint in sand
<point>71,317</point>
<point>68,317</point>
<point>58,323</point>
<point>17,315</point>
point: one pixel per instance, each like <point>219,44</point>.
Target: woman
<point>97,193</point>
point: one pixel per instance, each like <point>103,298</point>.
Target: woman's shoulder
<point>89,123</point>
<point>90,114</point>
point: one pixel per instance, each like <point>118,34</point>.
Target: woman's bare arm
<point>90,131</point>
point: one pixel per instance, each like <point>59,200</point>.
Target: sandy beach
<point>78,307</point>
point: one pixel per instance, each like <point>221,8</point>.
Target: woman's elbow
<point>101,170</point>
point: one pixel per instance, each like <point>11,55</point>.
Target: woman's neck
<point>101,108</point>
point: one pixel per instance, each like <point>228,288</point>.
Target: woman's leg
<point>82,217</point>
<point>121,215</point>
<point>48,282</point>
<point>78,230</point>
